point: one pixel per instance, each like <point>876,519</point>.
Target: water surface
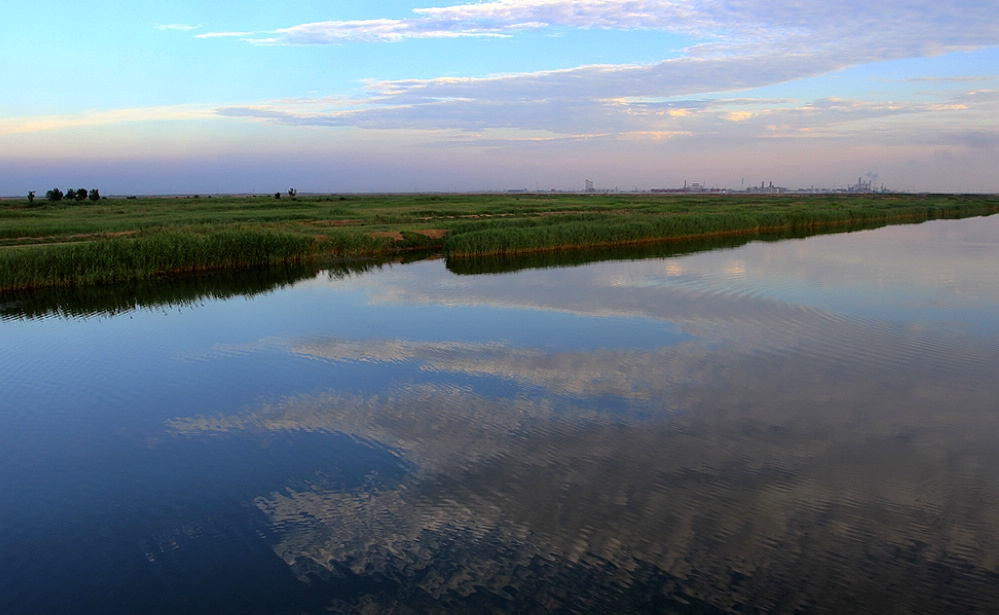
<point>798,426</point>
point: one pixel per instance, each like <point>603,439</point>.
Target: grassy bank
<point>128,239</point>
<point>691,218</point>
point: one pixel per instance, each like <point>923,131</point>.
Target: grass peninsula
<point>118,239</point>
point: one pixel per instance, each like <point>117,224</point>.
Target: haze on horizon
<point>417,95</point>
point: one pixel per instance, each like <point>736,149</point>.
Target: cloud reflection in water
<point>790,455</point>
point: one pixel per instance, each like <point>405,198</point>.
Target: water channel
<point>806,425</point>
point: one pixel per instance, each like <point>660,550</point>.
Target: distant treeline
<point>80,194</point>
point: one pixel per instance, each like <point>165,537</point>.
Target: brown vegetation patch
<point>432,233</point>
<point>53,240</point>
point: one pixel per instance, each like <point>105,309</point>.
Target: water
<point>798,426</point>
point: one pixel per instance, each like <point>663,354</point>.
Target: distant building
<point>764,188</point>
<point>861,186</point>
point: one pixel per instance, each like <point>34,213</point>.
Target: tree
<point>81,194</point>
<point>277,195</point>
<point>54,195</point>
<point>31,196</point>
<point>95,195</point>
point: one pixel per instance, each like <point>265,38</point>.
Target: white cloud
<point>745,44</point>
<point>922,26</point>
<point>34,124</point>
<point>751,45</point>
<point>606,14</point>
<point>498,19</point>
<point>180,27</point>
<point>225,34</point>
<point>965,118</point>
<point>374,30</point>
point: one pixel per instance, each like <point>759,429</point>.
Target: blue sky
<point>145,97</point>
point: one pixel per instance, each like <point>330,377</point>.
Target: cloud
<point>709,93</point>
<point>562,101</point>
<point>225,34</point>
<point>32,124</point>
<point>500,18</point>
<point>723,27</point>
<point>375,30</point>
<point>743,46</point>
<point>179,27</point>
<point>980,97</point>
<point>542,118</point>
<point>954,79</point>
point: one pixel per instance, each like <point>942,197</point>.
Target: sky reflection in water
<point>801,425</point>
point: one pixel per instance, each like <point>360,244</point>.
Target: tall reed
<point>118,259</point>
<point>561,232</point>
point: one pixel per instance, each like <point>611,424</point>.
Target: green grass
<point>113,240</point>
<point>110,260</point>
<point>694,217</point>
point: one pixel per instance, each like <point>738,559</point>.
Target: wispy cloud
<point>723,26</point>
<point>500,18</point>
<point>180,27</point>
<point>737,119</point>
<point>952,79</point>
<point>375,30</point>
<point>225,34</point>
<point>743,45</point>
<point>32,124</point>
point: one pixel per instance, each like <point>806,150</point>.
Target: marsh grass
<point>697,218</point>
<point>113,240</point>
<point>119,259</point>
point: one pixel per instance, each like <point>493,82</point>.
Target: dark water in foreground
<point>802,426</point>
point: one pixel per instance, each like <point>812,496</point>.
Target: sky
<point>144,97</point>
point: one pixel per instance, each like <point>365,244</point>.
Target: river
<point>806,425</point>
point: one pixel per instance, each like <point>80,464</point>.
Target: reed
<point>119,259</point>
<point>128,239</point>
<point>555,233</point>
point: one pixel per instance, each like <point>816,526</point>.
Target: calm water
<point>801,426</point>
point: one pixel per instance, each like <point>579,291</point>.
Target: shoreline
<point>124,240</point>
